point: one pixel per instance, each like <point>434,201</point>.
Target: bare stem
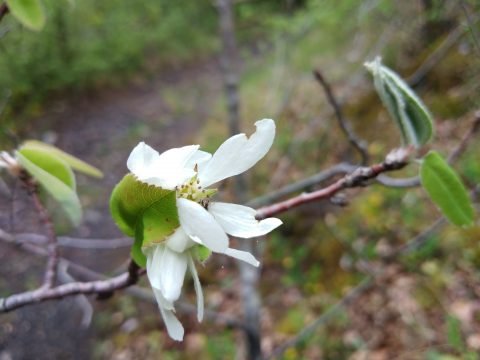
<point>100,287</point>
<point>358,144</point>
<point>356,178</point>
<point>52,262</point>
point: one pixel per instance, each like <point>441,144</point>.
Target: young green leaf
<point>72,161</point>
<point>145,212</point>
<point>51,164</point>
<point>29,12</point>
<point>405,107</point>
<point>59,190</point>
<point>446,190</point>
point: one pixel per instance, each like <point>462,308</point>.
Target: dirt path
<point>102,129</point>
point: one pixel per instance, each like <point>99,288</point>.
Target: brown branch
<point>396,160</point>
<point>100,287</point>
<point>338,169</point>
<point>71,242</point>
<point>52,262</point>
<point>358,144</point>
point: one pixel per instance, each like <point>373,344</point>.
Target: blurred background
<point>103,75</point>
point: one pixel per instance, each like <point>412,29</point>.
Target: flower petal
<point>154,254</point>
<point>179,241</point>
<point>172,267</point>
<point>239,220</point>
<point>199,159</point>
<point>242,255</point>
<point>238,154</point>
<point>201,226</point>
<point>141,160</point>
<point>161,301</point>
<point>165,170</point>
<point>166,271</point>
<point>198,289</point>
<point>177,157</point>
<point>174,327</point>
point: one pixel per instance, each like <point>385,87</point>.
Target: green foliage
<point>147,213</point>
<point>446,190</point>
<point>98,42</point>
<point>51,164</point>
<point>54,177</point>
<point>73,162</point>
<point>29,12</point>
<point>405,107</point>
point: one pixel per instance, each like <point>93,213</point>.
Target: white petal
<point>177,157</point>
<point>199,159</point>
<point>242,255</point>
<point>238,154</point>
<point>166,271</point>
<point>201,226</point>
<point>179,241</point>
<point>172,268</point>
<point>166,170</point>
<point>154,254</point>
<point>161,301</point>
<point>198,289</point>
<point>239,220</point>
<point>174,327</point>
<point>141,160</point>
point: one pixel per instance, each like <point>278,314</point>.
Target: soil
<point>101,128</point>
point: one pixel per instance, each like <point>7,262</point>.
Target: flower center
<point>192,190</point>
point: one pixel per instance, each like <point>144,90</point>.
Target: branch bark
<point>394,161</point>
<point>52,262</point>
<point>100,287</point>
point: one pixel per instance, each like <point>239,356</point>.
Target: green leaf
<point>29,12</point>
<point>446,190</point>
<point>72,161</point>
<point>145,212</point>
<point>51,164</point>
<point>59,190</point>
<point>406,108</point>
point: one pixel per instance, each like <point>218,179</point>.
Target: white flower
<point>189,171</point>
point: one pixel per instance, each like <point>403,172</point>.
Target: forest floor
<point>101,128</point>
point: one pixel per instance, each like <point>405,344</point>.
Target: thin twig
<point>357,143</point>
<point>79,243</point>
<point>462,145</point>
<point>471,22</point>
<point>437,55</point>
<point>394,161</point>
<point>52,262</point>
<point>339,169</point>
<point>81,300</point>
<point>100,287</point>
<point>326,316</point>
